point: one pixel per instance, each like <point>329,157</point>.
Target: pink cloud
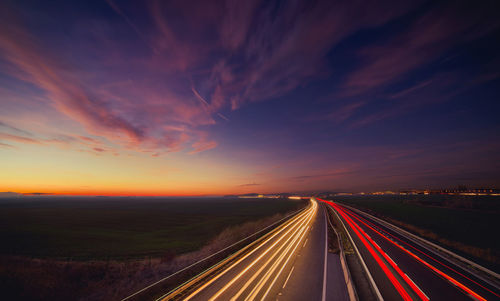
<point>19,139</point>
<point>4,145</point>
<point>285,52</point>
<point>209,60</point>
<point>428,37</point>
<point>203,144</point>
<point>68,96</point>
<point>129,113</point>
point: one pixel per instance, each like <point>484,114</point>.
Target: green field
<point>123,228</point>
<point>468,225</point>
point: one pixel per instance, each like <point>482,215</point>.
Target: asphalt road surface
<point>290,264</point>
<point>404,269</point>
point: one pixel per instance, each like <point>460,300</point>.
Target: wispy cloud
<point>301,33</point>
<point>428,37</point>
<point>20,139</point>
<point>68,96</point>
<point>14,129</point>
<point>203,145</point>
<point>132,117</point>
<point>249,185</point>
<point>4,145</point>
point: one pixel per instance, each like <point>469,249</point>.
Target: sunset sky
<point>219,97</point>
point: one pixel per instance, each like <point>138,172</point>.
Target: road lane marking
<point>293,237</point>
<point>391,259</point>
<point>444,275</point>
<point>300,223</point>
<point>286,262</point>
<point>214,254</point>
<point>291,225</point>
<point>258,287</point>
<point>419,241</point>
<point>365,240</point>
<point>288,277</point>
<point>417,286</point>
<point>249,266</point>
<point>266,277</point>
<point>392,263</point>
<point>363,264</point>
<point>323,296</point>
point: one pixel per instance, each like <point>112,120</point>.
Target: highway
<point>403,269</point>
<point>290,263</point>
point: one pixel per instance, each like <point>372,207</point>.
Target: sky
<point>220,97</point>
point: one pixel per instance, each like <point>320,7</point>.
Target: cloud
<point>366,95</point>
<point>223,117</point>
<point>287,50</point>
<point>130,114</point>
<point>438,89</point>
<point>258,54</point>
<point>4,145</point>
<point>204,62</point>
<point>68,96</point>
<point>201,146</point>
<point>10,194</point>
<point>430,35</point>
<point>249,185</point>
<point>19,139</point>
<point>15,129</point>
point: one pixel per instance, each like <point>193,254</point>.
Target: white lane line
<point>283,266</point>
<point>363,264</point>
<point>289,274</point>
<point>291,216</point>
<point>296,221</point>
<point>419,287</point>
<point>323,298</point>
<point>255,275</point>
<point>305,242</point>
<point>419,240</point>
<point>392,260</point>
<point>289,257</point>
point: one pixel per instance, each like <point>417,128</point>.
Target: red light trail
<point>355,227</point>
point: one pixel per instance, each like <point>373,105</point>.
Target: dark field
<point>123,228</point>
<point>466,224</point>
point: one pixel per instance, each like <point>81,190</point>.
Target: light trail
<point>288,277</point>
<point>425,263</point>
<point>269,273</point>
<point>402,292</point>
<point>293,237</point>
<point>292,222</point>
<point>394,265</point>
<point>260,284</point>
<point>305,222</point>
<point>423,253</point>
<point>293,225</point>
